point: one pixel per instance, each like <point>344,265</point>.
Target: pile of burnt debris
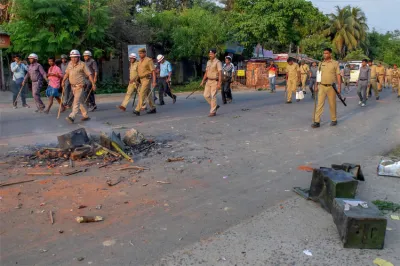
<point>103,149</point>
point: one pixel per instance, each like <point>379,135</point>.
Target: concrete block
<point>359,227</point>
<point>328,184</point>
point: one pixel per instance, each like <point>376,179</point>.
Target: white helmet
<point>160,57</point>
<point>87,53</point>
<point>74,53</point>
<point>132,55</point>
<point>33,56</point>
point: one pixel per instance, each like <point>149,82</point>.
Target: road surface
<point>238,165</point>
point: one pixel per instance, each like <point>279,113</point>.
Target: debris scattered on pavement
<point>382,262</point>
<point>110,183</point>
<point>75,172</point>
<point>169,160</point>
<point>386,205</point>
<point>16,182</point>
<point>19,206</point>
<point>51,217</point>
<point>225,177</point>
<point>132,168</point>
<point>144,185</point>
<point>73,139</point>
<point>306,168</point>
<point>80,259</point>
<point>395,217</point>
<point>98,207</point>
<point>109,243</point>
<point>89,219</point>
<point>388,167</point>
<point>44,173</point>
<point>133,137</point>
<point>43,250</point>
<point>389,229</point>
<point>307,252</point>
<point>245,109</point>
<point>163,182</point>
<point>272,171</point>
<point>222,259</point>
<point>302,192</point>
<point>82,206</point>
<point>61,231</point>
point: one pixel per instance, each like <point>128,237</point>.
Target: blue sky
<point>383,15</point>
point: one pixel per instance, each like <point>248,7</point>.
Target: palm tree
<point>347,29</point>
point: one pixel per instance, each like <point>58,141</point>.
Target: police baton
<point>20,90</point>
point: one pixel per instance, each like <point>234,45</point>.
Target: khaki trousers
<point>381,82</point>
<point>303,81</point>
<point>78,104</point>
<point>129,93</point>
<point>323,92</point>
<point>291,87</point>
<point>374,87</point>
<point>396,85</point>
<point>144,96</point>
<point>210,94</point>
<point>389,81</point>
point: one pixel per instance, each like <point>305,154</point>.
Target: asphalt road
<point>243,161</point>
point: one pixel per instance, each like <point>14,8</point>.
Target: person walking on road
<point>147,75</point>
<point>92,65</point>
<point>133,81</point>
<point>228,76</point>
<point>396,80</point>
<point>330,73</point>
<point>213,75</point>
<point>18,70</point>
<point>389,77</point>
<point>346,78</point>
<point>373,82</point>
<point>272,74</point>
<point>292,78</point>
<point>304,72</point>
<point>68,95</point>
<point>164,81</point>
<point>313,79</point>
<point>363,82</point>
<point>36,73</point>
<point>55,76</point>
<point>381,72</point>
<point>77,72</point>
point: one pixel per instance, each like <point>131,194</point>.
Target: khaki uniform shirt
<point>396,76</point>
<point>213,68</point>
<point>77,73</point>
<point>329,71</point>
<point>145,67</point>
<point>292,71</point>
<point>133,70</point>
<point>389,72</point>
<point>380,70</point>
<point>304,69</point>
<point>373,71</point>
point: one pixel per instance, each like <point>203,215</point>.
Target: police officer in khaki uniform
<point>292,78</point>
<point>147,75</point>
<point>396,80</point>
<point>304,71</point>
<point>381,72</point>
<point>373,82</point>
<point>330,74</point>
<point>76,72</point>
<point>389,77</point>
<point>213,76</point>
<point>133,79</point>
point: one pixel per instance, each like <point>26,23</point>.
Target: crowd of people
<point>73,83</point>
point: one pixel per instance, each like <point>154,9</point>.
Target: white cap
<point>132,55</point>
<point>34,56</point>
<point>160,57</point>
<point>87,53</point>
<point>74,53</point>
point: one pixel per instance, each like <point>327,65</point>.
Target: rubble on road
<point>389,167</point>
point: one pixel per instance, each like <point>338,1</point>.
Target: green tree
<point>51,27</point>
<point>285,21</point>
<point>356,55</point>
<point>347,29</point>
<point>314,45</point>
<point>184,34</point>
